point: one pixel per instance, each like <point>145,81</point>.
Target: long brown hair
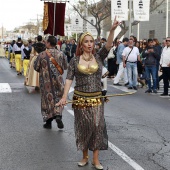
<point>79,50</point>
<point>156,41</point>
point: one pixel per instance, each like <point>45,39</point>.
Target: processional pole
<point>54,19</point>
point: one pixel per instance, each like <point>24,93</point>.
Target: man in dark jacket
<point>150,56</point>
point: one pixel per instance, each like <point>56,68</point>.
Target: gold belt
<point>88,94</point>
<point>81,100</point>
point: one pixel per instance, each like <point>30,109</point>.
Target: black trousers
<point>166,78</point>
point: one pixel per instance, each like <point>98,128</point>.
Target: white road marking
<point>122,88</point>
<point>125,157</point>
<point>117,150</point>
<point>5,88</point>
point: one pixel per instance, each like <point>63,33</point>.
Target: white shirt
<point>16,48</point>
<point>133,56</point>
<point>165,57</point>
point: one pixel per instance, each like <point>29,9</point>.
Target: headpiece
<point>83,35</point>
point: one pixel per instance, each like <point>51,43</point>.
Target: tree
<point>154,4</point>
<point>100,11</point>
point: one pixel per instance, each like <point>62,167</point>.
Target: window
<point>152,34</point>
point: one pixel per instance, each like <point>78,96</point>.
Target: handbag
<point>128,55</point>
<point>111,54</point>
<point>55,62</point>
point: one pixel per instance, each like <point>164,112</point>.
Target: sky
<point>14,13</point>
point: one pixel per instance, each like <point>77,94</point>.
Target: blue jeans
<point>151,70</point>
<point>157,76</point>
<point>132,73</point>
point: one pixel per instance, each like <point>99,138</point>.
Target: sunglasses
<point>167,40</point>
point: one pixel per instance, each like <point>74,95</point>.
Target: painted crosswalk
<point>15,87</point>
<point>5,88</point>
<point>125,89</point>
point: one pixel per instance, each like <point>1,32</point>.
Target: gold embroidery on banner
<point>45,17</point>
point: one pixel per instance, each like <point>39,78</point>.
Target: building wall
<point>157,23</point>
<point>2,32</point>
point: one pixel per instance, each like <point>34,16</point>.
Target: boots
<point>60,124</point>
<point>48,124</point>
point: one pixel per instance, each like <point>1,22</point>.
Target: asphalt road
<point>138,128</point>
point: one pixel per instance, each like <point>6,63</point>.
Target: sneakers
<point>60,124</point>
<point>127,84</point>
<point>117,84</point>
<point>148,91</point>
<point>130,87</point>
<point>154,91</point>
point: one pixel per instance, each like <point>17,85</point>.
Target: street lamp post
<point>130,17</point>
<point>167,13</point>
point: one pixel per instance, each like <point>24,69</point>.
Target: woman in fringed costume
<point>2,51</point>
<point>32,76</point>
<point>90,126</point>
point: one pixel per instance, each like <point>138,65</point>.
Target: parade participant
<point>2,51</point>
<point>12,57</point>
<point>17,51</point>
<point>86,67</point>
<point>32,76</point>
<point>6,49</point>
<point>50,64</point>
<point>25,52</point>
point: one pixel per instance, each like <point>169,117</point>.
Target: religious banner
<point>58,28</point>
<point>141,10</point>
<point>119,8</point>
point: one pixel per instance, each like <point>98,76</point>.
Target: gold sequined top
<point>87,82</point>
<point>88,70</point>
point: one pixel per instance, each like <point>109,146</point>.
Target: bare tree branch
<point>154,5</point>
<point>100,11</point>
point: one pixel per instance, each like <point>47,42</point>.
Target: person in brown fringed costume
<point>51,82</point>
<point>86,67</point>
